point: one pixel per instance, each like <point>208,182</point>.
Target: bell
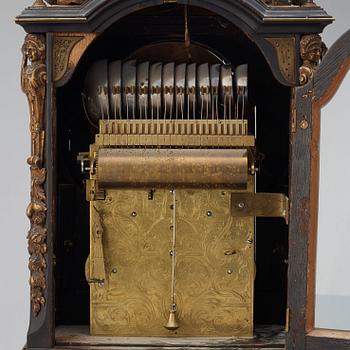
<point>172,324</point>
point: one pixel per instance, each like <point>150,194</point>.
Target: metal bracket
<point>90,280</point>
<point>93,193</point>
<point>84,160</point>
<point>260,205</point>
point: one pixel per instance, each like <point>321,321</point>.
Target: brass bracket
<point>260,205</point>
<point>88,163</point>
<point>68,48</point>
<point>93,193</point>
<point>285,51</point>
<point>88,277</point>
<point>84,160</point>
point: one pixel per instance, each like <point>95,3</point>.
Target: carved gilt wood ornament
<point>68,49</point>
<point>63,46</point>
<point>311,51</point>
<point>33,81</point>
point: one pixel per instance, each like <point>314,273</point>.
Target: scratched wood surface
<point>304,202</point>
<point>78,336</point>
<point>328,78</point>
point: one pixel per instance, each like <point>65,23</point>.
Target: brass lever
<point>260,205</point>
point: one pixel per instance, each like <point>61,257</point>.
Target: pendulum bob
<point>172,324</point>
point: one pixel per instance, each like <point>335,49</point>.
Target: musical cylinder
<point>172,168</point>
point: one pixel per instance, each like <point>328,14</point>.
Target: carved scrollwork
<point>68,48</point>
<point>33,81</point>
<point>311,50</point>
<point>63,46</point>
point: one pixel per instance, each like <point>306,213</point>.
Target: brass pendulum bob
<point>172,324</point>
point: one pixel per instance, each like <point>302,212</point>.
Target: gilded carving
<point>63,46</point>
<point>33,81</point>
<point>67,51</point>
<point>311,48</point>
<point>285,49</point>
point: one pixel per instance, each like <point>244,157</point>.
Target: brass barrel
<point>172,168</point>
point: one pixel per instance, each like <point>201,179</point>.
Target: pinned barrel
<point>172,168</point>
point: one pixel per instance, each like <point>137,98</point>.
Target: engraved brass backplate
<point>214,289</point>
<point>214,273</point>
<point>133,300</point>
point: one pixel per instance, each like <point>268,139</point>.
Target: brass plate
<point>134,300</point>
<point>214,265</point>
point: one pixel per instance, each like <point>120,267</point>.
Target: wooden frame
<point>264,28</point>
<point>310,100</point>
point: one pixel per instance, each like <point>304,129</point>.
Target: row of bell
<point>131,90</point>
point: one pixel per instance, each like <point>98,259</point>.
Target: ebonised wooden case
<point>279,39</point>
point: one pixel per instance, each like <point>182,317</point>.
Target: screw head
<point>304,124</point>
<point>134,214</point>
<point>241,205</point>
<point>229,272</point>
<point>114,270</point>
<point>209,213</point>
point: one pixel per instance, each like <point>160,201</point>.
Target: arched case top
<point>250,15</point>
<point>276,30</point>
